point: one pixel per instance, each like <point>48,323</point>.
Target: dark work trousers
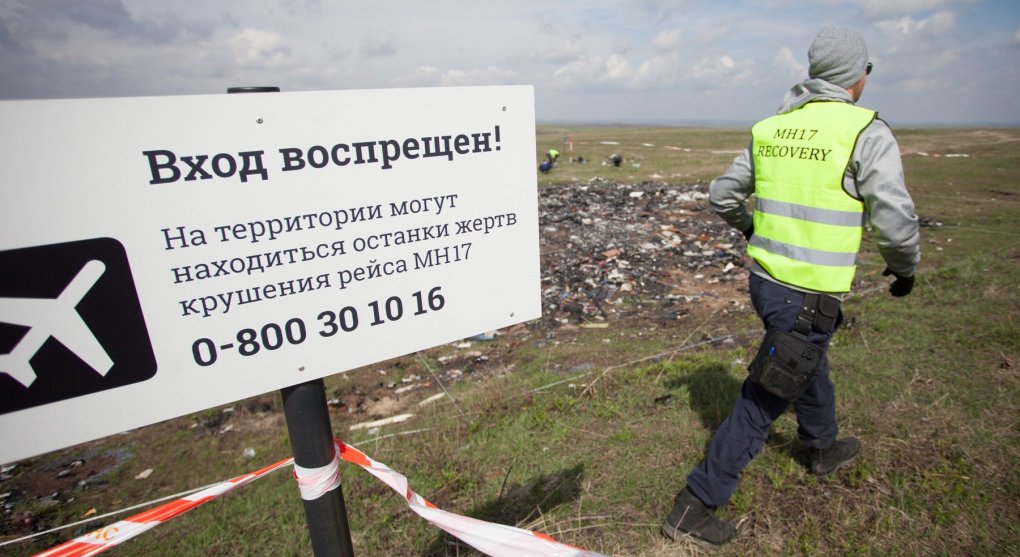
<point>742,435</point>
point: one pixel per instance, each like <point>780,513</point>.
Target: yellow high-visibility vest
<point>807,229</point>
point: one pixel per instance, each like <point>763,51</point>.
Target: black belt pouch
<point>786,364</point>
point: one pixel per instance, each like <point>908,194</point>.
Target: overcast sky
<point>936,61</point>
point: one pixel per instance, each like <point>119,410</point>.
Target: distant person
<point>819,169</point>
<point>552,155</point>
<point>616,159</point>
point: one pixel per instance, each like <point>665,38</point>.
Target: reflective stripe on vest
<point>807,229</point>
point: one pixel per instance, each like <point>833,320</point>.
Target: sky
<point>953,62</point>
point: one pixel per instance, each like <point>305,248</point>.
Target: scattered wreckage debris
<point>614,256</point>
<point>618,251</point>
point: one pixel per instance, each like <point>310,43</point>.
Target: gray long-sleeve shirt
<point>874,176</point>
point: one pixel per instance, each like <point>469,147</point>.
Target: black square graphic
<point>85,283</point>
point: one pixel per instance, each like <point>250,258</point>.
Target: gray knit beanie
<point>839,56</point>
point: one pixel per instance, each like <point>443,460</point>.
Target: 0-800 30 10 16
<point>273,336</point>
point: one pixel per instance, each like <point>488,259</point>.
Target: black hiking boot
<point>843,452</point>
<point>692,519</point>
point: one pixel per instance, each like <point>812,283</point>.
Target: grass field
<point>588,438</point>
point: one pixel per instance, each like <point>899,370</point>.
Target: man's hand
<point>748,233</point>
<point>901,286</point>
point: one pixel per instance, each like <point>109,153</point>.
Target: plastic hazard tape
<point>496,540</point>
<point>119,532</point>
<point>316,482</point>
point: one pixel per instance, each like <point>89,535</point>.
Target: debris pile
<point>613,256</point>
<point>616,251</point>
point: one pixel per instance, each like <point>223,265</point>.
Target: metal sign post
<point>311,439</point>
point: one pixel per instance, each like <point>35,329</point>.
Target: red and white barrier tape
<point>316,482</point>
<point>119,532</point>
<point>496,540</point>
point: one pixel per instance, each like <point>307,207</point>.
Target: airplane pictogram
<point>57,318</point>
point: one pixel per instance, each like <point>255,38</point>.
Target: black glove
<point>748,233</point>
<point>901,286</point>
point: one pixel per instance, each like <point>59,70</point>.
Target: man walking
<point>820,169</point>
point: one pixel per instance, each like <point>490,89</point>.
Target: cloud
<point>617,68</point>
<point>658,10</point>
<point>259,49</point>
<point>62,20</point>
<point>887,8</point>
<point>110,15</point>
<point>312,7</point>
<point>667,70</point>
<point>918,85</point>
<point>557,51</point>
<point>382,45</point>
<point>936,25</point>
<point>722,70</point>
<point>662,71</point>
<point>594,69</point>
<point>710,34</point>
<point>683,58</point>
<point>917,47</point>
<point>431,76</point>
<point>7,40</point>
<point>788,63</point>
<point>668,40</point>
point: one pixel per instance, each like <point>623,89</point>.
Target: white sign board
<point>163,255</point>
